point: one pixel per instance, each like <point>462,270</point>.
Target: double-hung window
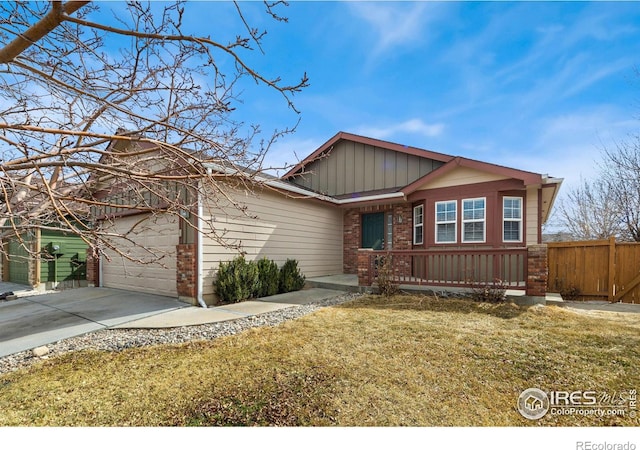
<point>473,220</point>
<point>512,219</point>
<point>446,217</point>
<point>418,224</point>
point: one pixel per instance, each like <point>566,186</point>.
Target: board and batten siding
<point>355,167</point>
<point>284,228</point>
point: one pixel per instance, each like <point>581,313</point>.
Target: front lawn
<point>408,360</point>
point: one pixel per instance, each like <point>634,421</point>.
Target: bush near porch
<point>240,279</point>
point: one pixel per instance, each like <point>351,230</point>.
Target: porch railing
<point>455,268</point>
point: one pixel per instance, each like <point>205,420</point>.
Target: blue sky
<point>539,86</point>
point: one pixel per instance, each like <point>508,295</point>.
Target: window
<point>418,225</point>
<point>512,219</point>
<point>473,220</point>
<point>446,222</point>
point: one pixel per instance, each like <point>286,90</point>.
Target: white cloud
<point>393,23</point>
<point>287,152</point>
<point>412,126</point>
<point>574,143</point>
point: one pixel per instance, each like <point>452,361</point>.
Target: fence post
<point>612,269</point>
<point>537,270</point>
<point>364,266</point>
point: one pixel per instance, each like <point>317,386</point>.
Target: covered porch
<point>522,271</point>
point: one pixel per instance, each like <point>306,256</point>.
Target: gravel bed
<point>119,339</point>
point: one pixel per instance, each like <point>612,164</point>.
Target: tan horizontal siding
<point>533,214</point>
<point>461,176</point>
<point>301,229</point>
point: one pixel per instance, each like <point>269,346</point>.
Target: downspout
<point>98,282</point>
<point>38,258</point>
<point>199,246</point>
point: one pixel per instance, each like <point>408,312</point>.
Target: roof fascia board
<point>280,185</point>
<point>555,184</point>
<point>529,178</point>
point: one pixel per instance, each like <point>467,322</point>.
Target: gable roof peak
<point>392,146</point>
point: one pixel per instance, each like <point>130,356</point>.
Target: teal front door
<point>373,231</point>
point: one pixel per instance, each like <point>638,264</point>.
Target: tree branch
<point>40,29</point>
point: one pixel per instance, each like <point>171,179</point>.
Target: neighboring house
<point>45,255</point>
<point>45,259</point>
<point>351,193</point>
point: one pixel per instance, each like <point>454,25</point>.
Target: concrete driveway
<point>37,320</point>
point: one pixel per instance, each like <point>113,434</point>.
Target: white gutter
<point>298,190</point>
<point>199,238</point>
<point>100,282</point>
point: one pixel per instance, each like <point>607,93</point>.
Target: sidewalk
<point>39,320</point>
<point>195,315</point>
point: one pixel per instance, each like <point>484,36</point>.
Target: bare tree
<point>90,131</point>
<point>621,174</point>
<point>590,211</point>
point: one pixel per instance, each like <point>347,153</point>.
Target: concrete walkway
<point>38,320</point>
<point>197,316</point>
<point>598,306</point>
<point>12,290</point>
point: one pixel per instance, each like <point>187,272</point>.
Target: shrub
<point>237,280</point>
<point>290,277</point>
<point>387,284</point>
<point>570,293</point>
<point>269,275</point>
<point>493,292</point>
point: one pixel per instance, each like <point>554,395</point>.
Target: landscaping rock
<point>39,352</point>
<point>119,339</point>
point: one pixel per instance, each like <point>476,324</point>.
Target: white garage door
<point>156,237</point>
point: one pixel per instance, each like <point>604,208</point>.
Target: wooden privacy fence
<point>596,270</point>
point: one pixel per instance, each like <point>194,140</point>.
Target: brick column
<point>187,273</point>
<point>93,277</point>
<point>351,238</point>
<point>364,256</point>
<point>537,270</point>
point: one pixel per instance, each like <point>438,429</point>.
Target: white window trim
<point>416,224</point>
<point>483,220</point>
<point>513,220</point>
<point>454,222</point>
<point>389,230</point>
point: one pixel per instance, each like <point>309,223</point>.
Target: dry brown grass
<point>404,360</point>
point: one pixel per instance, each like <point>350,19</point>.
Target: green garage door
<point>18,262</point>
<point>68,262</point>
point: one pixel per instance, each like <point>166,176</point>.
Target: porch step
<point>311,283</point>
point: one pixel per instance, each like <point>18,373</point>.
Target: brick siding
<point>186,273</point>
<point>402,231</point>
<point>537,270</point>
<point>93,274</point>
